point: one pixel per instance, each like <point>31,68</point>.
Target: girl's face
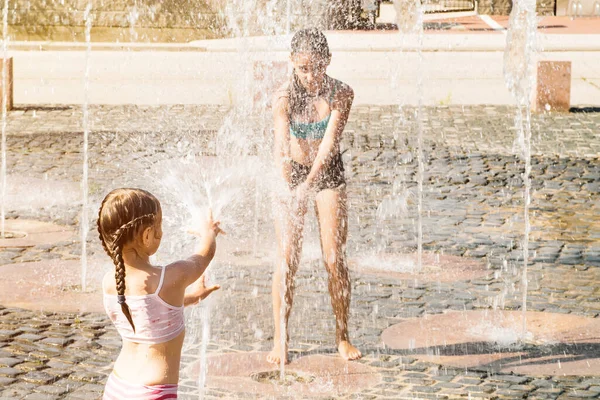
<point>310,69</point>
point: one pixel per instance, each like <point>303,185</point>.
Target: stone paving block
<point>68,384</point>
<point>21,348</point>
<point>469,381</point>
<point>57,341</point>
<point>14,394</point>
<point>4,381</point>
<point>38,356</point>
<point>28,337</point>
<point>510,393</point>
<point>86,376</point>
<point>6,334</point>
<point>30,366</point>
<point>580,394</point>
<point>516,379</point>
<point>360,396</point>
<point>52,389</point>
<point>59,373</point>
<point>41,396</point>
<point>9,362</point>
<point>427,396</point>
<point>481,395</point>
<point>39,378</point>
<point>92,387</point>
<point>10,372</point>
<point>84,396</point>
<point>488,387</point>
<point>448,385</point>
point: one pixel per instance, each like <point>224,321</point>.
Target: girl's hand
<point>208,227</point>
<point>198,291</point>
<point>303,191</point>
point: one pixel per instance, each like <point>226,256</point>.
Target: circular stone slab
<point>29,233</point>
<point>314,375</point>
<point>436,267</point>
<point>53,285</point>
<point>554,344</point>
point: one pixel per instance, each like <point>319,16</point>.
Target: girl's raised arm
<point>192,268</point>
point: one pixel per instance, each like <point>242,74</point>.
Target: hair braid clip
<point>121,299</point>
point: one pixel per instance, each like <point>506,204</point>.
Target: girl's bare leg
<point>289,222</point>
<point>331,206</point>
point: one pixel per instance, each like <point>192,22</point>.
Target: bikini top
<point>312,130</point>
<point>155,320</point>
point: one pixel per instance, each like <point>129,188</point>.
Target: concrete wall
<point>113,13</point>
<point>503,7</point>
<point>171,20</point>
<point>65,19</point>
<point>255,17</point>
<point>266,17</point>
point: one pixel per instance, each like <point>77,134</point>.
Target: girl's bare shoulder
<point>109,285</point>
<point>341,88</point>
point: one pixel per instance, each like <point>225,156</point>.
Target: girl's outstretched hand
<point>208,226</point>
<point>198,291</point>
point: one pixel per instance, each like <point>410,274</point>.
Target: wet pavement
<point>472,208</point>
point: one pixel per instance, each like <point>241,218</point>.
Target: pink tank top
<point>156,321</point>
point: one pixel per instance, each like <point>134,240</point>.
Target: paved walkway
<point>472,207</point>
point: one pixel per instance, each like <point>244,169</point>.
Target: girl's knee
<point>335,262</point>
<point>331,259</point>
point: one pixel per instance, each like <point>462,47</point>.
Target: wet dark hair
<point>312,41</point>
<point>123,214</point>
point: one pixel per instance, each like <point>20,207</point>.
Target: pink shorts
<point>118,389</point>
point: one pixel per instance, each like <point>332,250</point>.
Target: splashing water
<point>240,20</point>
<point>4,114</point>
<point>205,315</point>
<point>234,177</point>
<point>132,18</point>
<point>392,208</point>
<point>502,337</point>
<point>189,188</point>
<point>409,17</point>
<point>86,131</point>
<point>519,59</point>
<point>198,183</point>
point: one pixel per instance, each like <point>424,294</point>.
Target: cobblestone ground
<point>472,207</point>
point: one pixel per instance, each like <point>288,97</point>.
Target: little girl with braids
<point>146,303</point>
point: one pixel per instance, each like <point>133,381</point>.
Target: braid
<point>133,222</point>
<point>104,246</point>
<point>117,251</point>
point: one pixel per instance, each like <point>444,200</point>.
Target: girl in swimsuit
<point>146,302</point>
<point>310,113</point>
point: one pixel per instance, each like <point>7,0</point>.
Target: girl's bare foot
<point>274,356</point>
<point>348,352</point>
